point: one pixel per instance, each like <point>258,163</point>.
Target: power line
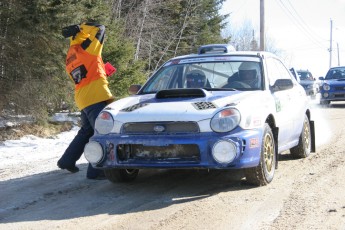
<point>300,26</point>
<point>303,22</point>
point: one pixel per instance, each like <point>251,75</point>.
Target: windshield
<point>225,75</point>
<point>338,73</point>
<point>306,76</point>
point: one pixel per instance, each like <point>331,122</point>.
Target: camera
<point>69,31</point>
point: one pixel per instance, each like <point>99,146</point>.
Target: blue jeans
<point>76,147</point>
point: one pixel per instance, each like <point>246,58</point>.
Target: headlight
<point>224,152</point>
<point>93,152</point>
<point>225,120</point>
<point>326,87</point>
<point>104,123</point>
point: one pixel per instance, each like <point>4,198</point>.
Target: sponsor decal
<point>278,105</point>
<point>254,143</point>
<point>175,62</point>
<point>110,151</point>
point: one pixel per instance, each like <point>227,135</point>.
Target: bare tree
<point>144,13</point>
<point>245,38</point>
<point>242,38</point>
<point>188,11</point>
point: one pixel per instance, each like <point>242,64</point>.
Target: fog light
<point>93,152</point>
<point>224,152</point>
<point>325,95</point>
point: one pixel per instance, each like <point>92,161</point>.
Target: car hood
<point>335,82</point>
<point>180,105</point>
<point>307,82</point>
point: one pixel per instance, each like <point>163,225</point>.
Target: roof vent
<point>216,48</point>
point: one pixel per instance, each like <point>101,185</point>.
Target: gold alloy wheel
<point>268,152</point>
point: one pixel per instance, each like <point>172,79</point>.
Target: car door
<point>299,103</point>
<point>284,102</point>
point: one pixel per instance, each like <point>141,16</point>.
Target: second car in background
<point>306,79</point>
<point>333,85</point>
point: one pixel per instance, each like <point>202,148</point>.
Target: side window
<point>272,70</point>
<point>276,70</point>
<point>163,79</point>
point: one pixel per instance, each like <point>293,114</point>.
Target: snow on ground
<point>31,149</point>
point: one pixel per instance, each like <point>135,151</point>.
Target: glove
<point>69,31</point>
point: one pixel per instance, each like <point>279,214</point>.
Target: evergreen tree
<point>140,36</point>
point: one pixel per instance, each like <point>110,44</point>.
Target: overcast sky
<point>301,28</point>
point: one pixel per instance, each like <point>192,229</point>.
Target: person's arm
<point>94,43</point>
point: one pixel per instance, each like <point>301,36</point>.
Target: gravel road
<point>305,194</point>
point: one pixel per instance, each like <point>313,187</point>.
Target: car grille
<point>339,95</point>
<point>160,128</point>
<point>172,153</point>
<point>339,88</point>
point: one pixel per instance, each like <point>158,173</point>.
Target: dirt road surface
<point>305,194</point>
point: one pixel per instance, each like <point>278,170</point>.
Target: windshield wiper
<point>220,89</point>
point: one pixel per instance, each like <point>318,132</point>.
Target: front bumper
<point>176,151</point>
<point>332,95</point>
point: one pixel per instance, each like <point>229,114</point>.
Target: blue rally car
<point>333,85</point>
<point>217,109</point>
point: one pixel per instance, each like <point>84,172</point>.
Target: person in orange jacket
<point>85,68</point>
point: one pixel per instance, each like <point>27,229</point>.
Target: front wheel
<point>263,173</point>
<point>303,149</point>
<point>121,175</point>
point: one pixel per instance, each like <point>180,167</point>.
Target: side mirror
<point>134,89</point>
<point>282,84</point>
<point>321,78</point>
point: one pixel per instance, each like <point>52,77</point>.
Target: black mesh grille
<point>339,88</point>
<point>204,105</point>
<point>133,107</point>
<point>160,128</point>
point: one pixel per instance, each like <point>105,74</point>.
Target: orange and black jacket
<point>85,66</point>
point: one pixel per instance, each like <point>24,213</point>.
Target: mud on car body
<point>217,109</point>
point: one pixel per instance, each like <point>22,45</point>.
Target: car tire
<point>121,175</point>
<point>303,149</point>
<point>263,173</point>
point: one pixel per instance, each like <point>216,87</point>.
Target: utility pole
<point>262,25</point>
<point>330,47</point>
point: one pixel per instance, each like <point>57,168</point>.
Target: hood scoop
<point>180,93</point>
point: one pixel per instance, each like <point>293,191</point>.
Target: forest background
<point>140,36</point>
